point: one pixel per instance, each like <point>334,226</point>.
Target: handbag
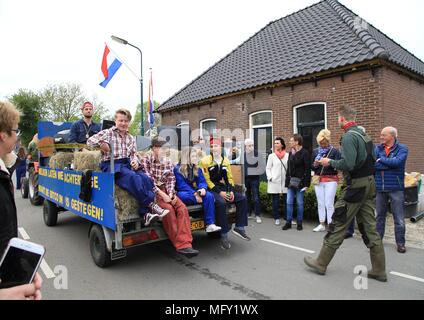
<point>295,182</point>
<point>315,180</point>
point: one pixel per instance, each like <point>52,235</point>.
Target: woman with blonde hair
<point>192,187</point>
<point>326,178</point>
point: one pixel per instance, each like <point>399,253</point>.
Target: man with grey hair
<point>389,177</point>
<point>254,167</point>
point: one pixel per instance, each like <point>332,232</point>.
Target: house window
<point>207,128</point>
<point>183,123</point>
<point>309,119</point>
<point>260,124</point>
<point>261,130</point>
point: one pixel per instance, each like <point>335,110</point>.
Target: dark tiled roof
<point>321,37</point>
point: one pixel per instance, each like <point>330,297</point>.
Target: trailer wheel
<point>34,197</point>
<point>98,247</point>
<point>24,187</point>
<point>50,212</point>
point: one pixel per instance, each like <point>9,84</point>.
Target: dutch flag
<point>110,64</point>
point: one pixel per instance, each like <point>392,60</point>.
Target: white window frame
<point>203,121</point>
<point>252,127</point>
<point>304,105</point>
<point>183,123</point>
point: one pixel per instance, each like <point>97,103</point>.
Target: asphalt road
<point>264,268</point>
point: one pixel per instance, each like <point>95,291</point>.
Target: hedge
<point>310,201</point>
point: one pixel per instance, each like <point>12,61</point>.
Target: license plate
<point>197,225</point>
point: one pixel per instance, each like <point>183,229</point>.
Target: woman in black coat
<point>298,179</point>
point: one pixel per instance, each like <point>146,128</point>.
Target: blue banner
<point>64,186</point>
<point>50,129</point>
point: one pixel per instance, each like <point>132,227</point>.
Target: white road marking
<point>288,246</point>
<point>43,265</point>
<point>407,276</point>
<point>47,270</point>
<point>23,233</point>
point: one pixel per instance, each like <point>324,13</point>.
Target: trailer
<point>110,234</point>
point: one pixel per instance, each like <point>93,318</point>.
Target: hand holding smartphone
<point>20,262</point>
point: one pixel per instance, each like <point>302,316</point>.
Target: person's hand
<point>134,164</point>
<point>231,199</point>
<point>30,291</point>
<point>165,197</point>
<point>202,192</point>
<point>198,198</point>
<point>223,194</point>
<point>105,147</point>
<point>174,200</point>
<point>325,162</point>
<point>38,281</point>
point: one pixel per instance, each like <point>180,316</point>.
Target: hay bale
<point>61,160</point>
<point>126,204</point>
<point>87,160</point>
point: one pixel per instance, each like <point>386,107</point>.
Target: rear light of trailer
<point>140,237</point>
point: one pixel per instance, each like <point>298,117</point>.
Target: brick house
<point>294,74</point>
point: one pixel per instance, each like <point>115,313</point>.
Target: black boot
<point>287,225</point>
<point>299,226</point>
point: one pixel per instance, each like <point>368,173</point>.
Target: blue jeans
<point>351,230</point>
<point>396,204</point>
<point>252,194</point>
<point>291,192</point>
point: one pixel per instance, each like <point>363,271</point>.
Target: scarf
<point>280,154</point>
<point>323,152</point>
<point>348,125</point>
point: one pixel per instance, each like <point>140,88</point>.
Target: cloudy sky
<point>58,41</point>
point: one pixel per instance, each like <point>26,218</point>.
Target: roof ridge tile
<point>362,33</point>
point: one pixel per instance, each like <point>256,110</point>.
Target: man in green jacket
<point>357,199</point>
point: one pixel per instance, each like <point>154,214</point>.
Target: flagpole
<point>123,41</point>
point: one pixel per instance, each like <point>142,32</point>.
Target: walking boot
<point>320,264</point>
<point>378,262</point>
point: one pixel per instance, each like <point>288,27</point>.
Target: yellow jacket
<point>218,175</point>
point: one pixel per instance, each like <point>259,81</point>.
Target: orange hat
<point>87,104</point>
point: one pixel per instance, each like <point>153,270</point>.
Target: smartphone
<point>20,262</point>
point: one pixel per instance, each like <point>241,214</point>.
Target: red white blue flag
<point>150,105</point>
<point>110,64</point>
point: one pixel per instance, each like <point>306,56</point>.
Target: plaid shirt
<point>123,146</point>
<point>156,169</point>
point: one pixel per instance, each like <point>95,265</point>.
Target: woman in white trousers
<point>326,189</point>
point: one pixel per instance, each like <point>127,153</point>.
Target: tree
<point>29,104</point>
<point>136,122</point>
<point>63,102</point>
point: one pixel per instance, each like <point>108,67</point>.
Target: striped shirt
<point>162,173</point>
<point>124,145</point>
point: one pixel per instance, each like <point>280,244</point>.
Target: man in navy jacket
<point>389,178</point>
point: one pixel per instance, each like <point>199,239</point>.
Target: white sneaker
<point>258,219</point>
<point>212,228</point>
<point>277,222</point>
<point>319,228</point>
<point>150,218</point>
